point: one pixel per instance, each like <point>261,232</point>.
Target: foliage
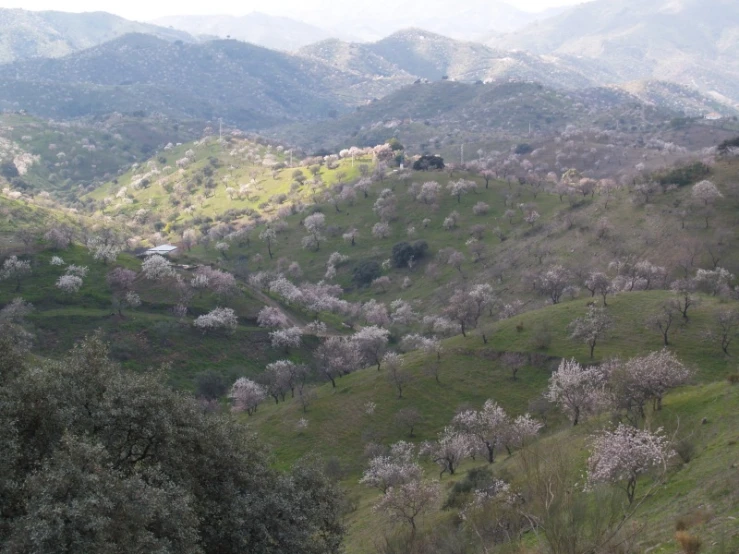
<point>98,459</point>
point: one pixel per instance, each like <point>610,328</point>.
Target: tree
<point>599,283</point>
<point>408,418</point>
<point>706,192</point>
<point>456,259</point>
<point>622,455</point>
<point>315,224</point>
<point>15,269</point>
<point>406,503</point>
<point>683,289</point>
<point>351,236</point>
<point>487,427</point>
<point>396,373</point>
<point>663,320</point>
<point>461,187</point>
<point>429,192</point>
<point>337,356</point>
<point>371,342</point>
<point>286,338</point>
<point>217,319</point>
<point>122,461</point>
<point>448,450</point>
<point>713,281</point>
<point>269,236</point>
<point>463,310</point>
<point>553,282</point>
<point>726,327</point>
<point>156,268</point>
<point>393,469</point>
<point>121,280</point>
<point>592,327</point>
<point>246,395</point>
<point>269,316</point>
<point>514,361</point>
<point>69,284</point>
<point>576,389</point>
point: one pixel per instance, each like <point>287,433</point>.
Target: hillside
<point>53,34</point>
<point>427,55</point>
<point>687,41</point>
<point>245,84</point>
<point>506,233</point>
<point>64,158</point>
<point>426,115</point>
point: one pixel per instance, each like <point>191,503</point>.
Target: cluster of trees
<point>96,459</point>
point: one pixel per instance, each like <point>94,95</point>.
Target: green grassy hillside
<point>470,372</point>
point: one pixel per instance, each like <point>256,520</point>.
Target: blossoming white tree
<point>576,389</point>
<point>622,455</point>
<point>69,284</point>
<point>157,267</point>
<point>217,319</point>
<point>15,269</point>
<point>246,395</point>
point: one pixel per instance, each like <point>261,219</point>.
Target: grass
<point>148,336</point>
<point>470,373</point>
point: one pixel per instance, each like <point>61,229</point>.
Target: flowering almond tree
<point>621,456</point>
<point>272,317</point>
<point>246,395</point>
<point>396,468</point>
<point>217,319</point>
<point>592,327</point>
<point>576,389</point>
<point>15,269</point>
<point>157,267</point>
<point>449,450</point>
<point>406,503</point>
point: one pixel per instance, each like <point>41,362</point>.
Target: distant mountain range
<point>431,56</point>
<point>682,55</point>
<point>277,33</point>
<point>26,34</point>
<point>691,42</point>
<point>240,82</point>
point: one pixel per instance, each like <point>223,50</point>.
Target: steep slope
<point>51,34</point>
<point>63,159</point>
<point>432,56</point>
<point>687,41</point>
<point>247,84</point>
<point>423,114</point>
<point>278,33</point>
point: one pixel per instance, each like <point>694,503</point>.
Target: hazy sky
<point>144,10</point>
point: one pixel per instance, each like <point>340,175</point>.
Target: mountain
<point>277,33</point>
<point>243,83</point>
<point>693,42</point>
<point>431,56</point>
<point>51,34</point>
<point>470,21</point>
<point>426,117</point>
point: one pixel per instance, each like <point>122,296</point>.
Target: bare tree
<point>592,327</point>
<point>408,418</point>
<point>664,320</point>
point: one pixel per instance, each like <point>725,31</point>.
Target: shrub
<point>690,544</point>
<point>684,175</point>
<point>403,252</point>
<point>428,162</point>
<point>366,272</point>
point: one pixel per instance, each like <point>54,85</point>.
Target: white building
<point>162,250</point>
